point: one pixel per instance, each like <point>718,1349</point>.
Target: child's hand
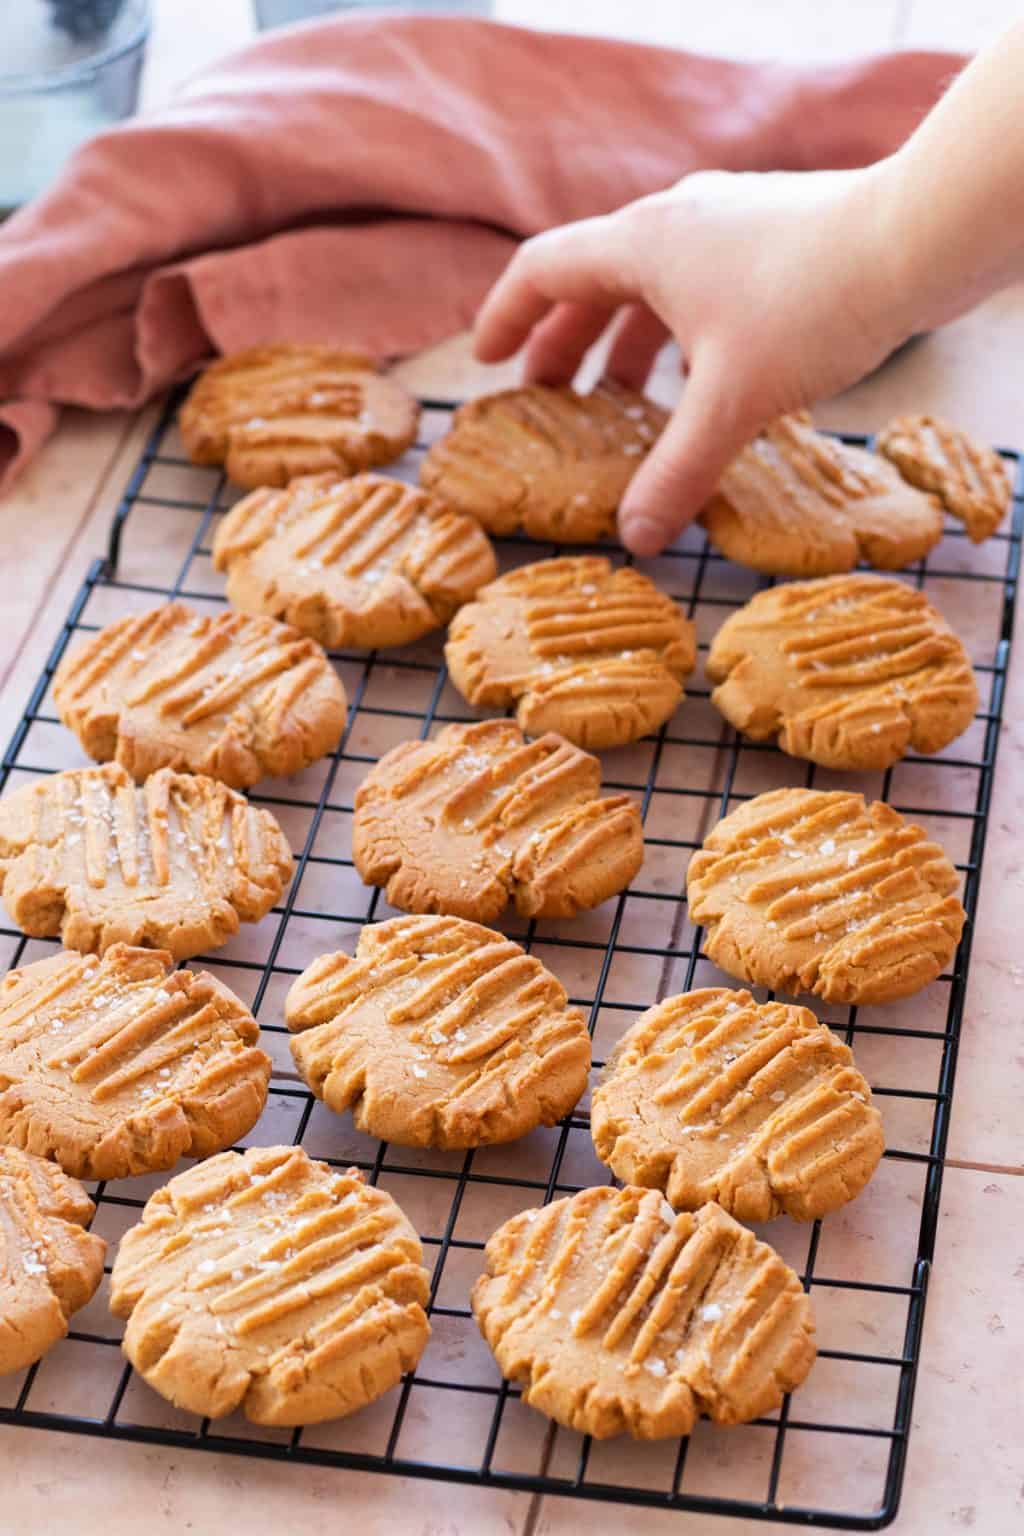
<point>776,287</point>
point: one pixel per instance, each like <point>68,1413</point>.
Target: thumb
<point>703,435</point>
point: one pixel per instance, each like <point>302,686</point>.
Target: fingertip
<point>642,535</point>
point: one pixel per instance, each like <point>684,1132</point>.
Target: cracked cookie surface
<point>619,1315</point>
<point>438,1033</point>
<point>479,817</point>
<point>174,864</point>
<point>797,503</point>
<point>49,1265</point>
<point>273,1284</point>
<point>595,653</point>
<point>970,478</point>
<point>121,1065</point>
<point>847,671</point>
<point>362,562</point>
<point>814,891</point>
<point>544,459</point>
<point>757,1106</point>
<point>271,413</point>
<point>230,696</point>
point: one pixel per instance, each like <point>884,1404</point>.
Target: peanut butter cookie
<point>273,1284</point>
<point>49,1266</point>
<point>798,503</point>
<point>547,460</point>
<point>438,1033</point>
<point>122,1065</point>
<point>361,562</point>
<point>172,865</point>
<point>595,653</point>
<point>271,413</point>
<point>848,671</point>
<point>713,1096</point>
<point>809,891</point>
<point>234,697</point>
<point>969,478</point>
<point>618,1315</point>
<point>480,817</point>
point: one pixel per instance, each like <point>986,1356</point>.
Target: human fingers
<point>556,346</point>
<point>579,263</point>
<point>705,432</point>
<point>639,338</point>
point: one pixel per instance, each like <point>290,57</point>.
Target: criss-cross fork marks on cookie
<point>438,1032</point>
<point>970,478</point>
<point>619,1315</point>
<point>120,1065</point>
<point>595,653</point>
<point>795,502</point>
<point>547,460</point>
<point>362,562</point>
<point>274,1284</point>
<point>271,413</point>
<point>758,1106</point>
<point>49,1266</point>
<point>234,697</point>
<point>809,891</point>
<point>172,865</point>
<point>479,817</point>
<point>847,671</point>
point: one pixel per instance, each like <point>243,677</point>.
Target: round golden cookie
<point>619,1315</point>
<point>595,653</point>
<point>438,1033</point>
<point>797,503</point>
<point>174,864</point>
<point>271,413</point>
<point>969,478</point>
<point>361,562</point>
<point>479,817</point>
<point>848,671</point>
<point>233,697</point>
<point>49,1266</point>
<point>121,1065</point>
<point>758,1106</point>
<point>812,891</point>
<point>547,460</point>
<point>270,1283</point>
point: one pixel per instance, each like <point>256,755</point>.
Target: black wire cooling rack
<point>835,1455</point>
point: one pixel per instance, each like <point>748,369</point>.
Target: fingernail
<point>643,536</point>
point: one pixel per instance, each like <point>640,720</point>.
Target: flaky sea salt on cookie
<point>847,671</point>
<point>438,1033</point>
<point>596,653</point>
<point>49,1266</point>
<point>797,503</point>
<point>121,1065</point>
<point>363,562</point>
<point>546,460</point>
<point>970,478</point>
<point>758,1106</point>
<point>618,1315</point>
<point>479,817</point>
<point>809,891</point>
<point>175,864</point>
<point>273,1284</point>
<point>271,413</point>
<point>233,697</point>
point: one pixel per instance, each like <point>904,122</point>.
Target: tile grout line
<point>969,1167</point>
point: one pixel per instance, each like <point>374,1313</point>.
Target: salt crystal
<point>778,1096</point>
<point>828,846</point>
<point>207,1267</point>
<point>772,924</point>
<point>668,1214</point>
<point>656,1367</point>
<point>574,1318</point>
<point>711,1313</point>
<point>437,1037</point>
<point>238,1274</point>
<point>419,1071</point>
<point>554,1312</point>
<point>851,858</point>
<point>876,728</point>
<point>460,1034</point>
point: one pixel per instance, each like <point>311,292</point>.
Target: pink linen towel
<point>364,180</point>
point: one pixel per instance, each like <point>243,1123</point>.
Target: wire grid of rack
<point>833,1456</point>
